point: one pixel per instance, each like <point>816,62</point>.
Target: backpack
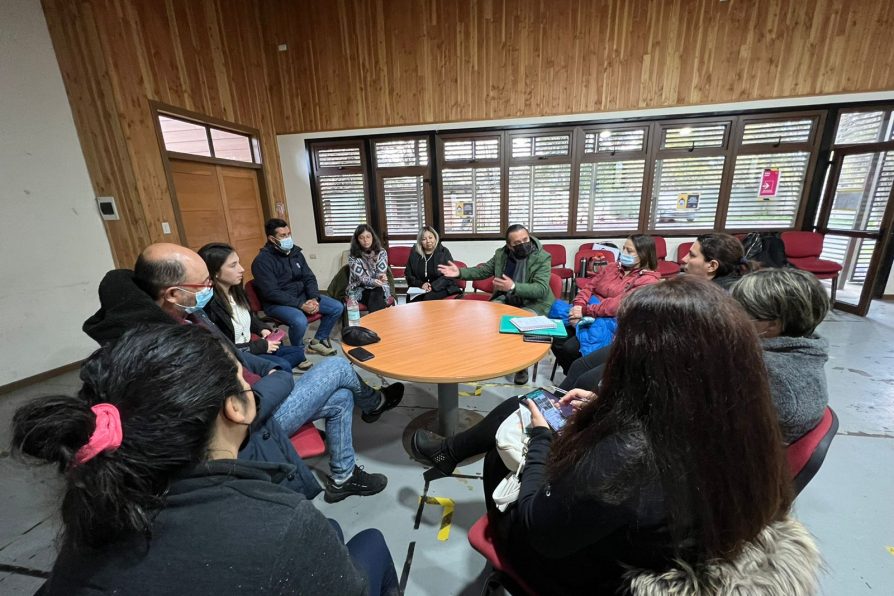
<point>766,248</point>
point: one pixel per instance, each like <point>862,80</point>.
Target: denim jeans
<point>329,390</point>
<point>370,554</point>
<point>295,318</point>
<point>286,357</point>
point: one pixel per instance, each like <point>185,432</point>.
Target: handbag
<point>509,489</point>
<point>512,446</point>
<point>512,438</point>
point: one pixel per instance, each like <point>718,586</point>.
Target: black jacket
<point>574,542</point>
<point>124,305</point>
<point>283,279</point>
<point>418,272</point>
<point>218,314</point>
<point>227,527</point>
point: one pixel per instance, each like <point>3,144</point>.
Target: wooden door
<point>219,204</point>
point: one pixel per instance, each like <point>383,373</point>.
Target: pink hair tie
<point>106,436</point>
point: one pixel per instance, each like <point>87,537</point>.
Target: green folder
<point>506,326</point>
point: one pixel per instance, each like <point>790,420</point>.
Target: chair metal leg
<point>834,289</point>
<point>552,375</point>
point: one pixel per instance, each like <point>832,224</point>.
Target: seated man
<point>169,284</point>
<point>521,271</point>
<point>288,288</point>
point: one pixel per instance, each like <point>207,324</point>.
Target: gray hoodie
<point>797,381</point>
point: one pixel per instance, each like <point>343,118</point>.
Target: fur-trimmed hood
<point>783,560</point>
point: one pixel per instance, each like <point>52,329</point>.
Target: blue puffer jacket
<point>283,279</point>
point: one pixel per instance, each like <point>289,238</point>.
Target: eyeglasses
<point>207,284</point>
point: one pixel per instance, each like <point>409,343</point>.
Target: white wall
<point>327,256</point>
<point>53,247</point>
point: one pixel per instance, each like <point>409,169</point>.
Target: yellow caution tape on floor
<point>446,518</point>
<point>479,386</point>
<point>890,549</point>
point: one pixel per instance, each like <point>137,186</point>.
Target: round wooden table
<point>447,342</point>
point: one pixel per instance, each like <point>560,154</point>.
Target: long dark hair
<point>169,382</point>
<point>728,252</point>
<point>645,250</point>
<point>215,255</point>
<point>686,380</point>
<point>356,249</point>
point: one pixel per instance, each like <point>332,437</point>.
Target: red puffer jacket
<point>611,285</point>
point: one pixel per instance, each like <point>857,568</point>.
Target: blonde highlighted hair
<point>793,297</point>
<point>422,232</point>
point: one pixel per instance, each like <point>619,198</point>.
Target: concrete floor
<point>846,506</point>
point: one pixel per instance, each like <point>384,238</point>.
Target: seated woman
<point>719,258</point>
<point>422,267</point>
<point>368,267</point>
<point>786,305</point>
<point>678,460</point>
<point>155,499</point>
<point>230,311</point>
<point>636,268</point>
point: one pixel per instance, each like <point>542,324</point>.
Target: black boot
<point>432,449</point>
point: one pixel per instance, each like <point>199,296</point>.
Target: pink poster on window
<point>769,183</point>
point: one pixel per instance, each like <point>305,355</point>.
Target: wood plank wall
<point>366,63</point>
<point>115,55</point>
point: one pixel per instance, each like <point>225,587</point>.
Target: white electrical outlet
<point>165,227</point>
<point>312,255</point>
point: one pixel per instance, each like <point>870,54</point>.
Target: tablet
<point>556,414</point>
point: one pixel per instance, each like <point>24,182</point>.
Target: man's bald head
<point>163,266</point>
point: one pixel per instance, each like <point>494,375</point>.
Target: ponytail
<point>169,384</point>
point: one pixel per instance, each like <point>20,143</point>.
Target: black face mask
<point>521,251</point>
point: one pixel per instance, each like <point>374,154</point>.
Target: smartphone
<point>555,413</point>
<point>538,339</point>
<point>277,335</point>
<point>361,354</point>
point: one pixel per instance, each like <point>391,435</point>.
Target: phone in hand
<point>361,354</point>
<point>556,414</point>
<point>538,339</point>
<point>277,335</point>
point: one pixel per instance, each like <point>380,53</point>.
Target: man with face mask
<point>168,285</point>
<point>521,271</point>
<point>289,291</point>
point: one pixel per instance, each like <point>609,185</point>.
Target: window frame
<point>444,164</point>
<point>731,149</point>
<point>315,172</point>
<point>380,173</point>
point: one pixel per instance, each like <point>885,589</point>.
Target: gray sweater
<point>797,381</point>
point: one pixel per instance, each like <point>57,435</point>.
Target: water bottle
<point>353,312</point>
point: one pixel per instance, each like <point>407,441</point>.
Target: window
<point>610,183</point>
<point>197,138</point>
<point>340,185</point>
<point>540,181</point>
<point>672,176</point>
<point>470,185</point>
<point>862,127</point>
<point>403,173</point>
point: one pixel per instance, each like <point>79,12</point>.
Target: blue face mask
<point>203,297</point>
<point>286,244</point>
<point>627,260</point>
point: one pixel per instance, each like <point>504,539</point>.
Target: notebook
<point>525,324</point>
<point>558,329</point>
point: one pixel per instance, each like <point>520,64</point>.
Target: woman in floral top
<point>368,264</point>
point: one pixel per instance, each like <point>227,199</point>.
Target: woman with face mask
<point>422,268</point>
<point>601,295</point>
<point>154,496</point>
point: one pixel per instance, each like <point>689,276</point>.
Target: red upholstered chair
<point>559,257</point>
<point>308,442</point>
<point>665,268</point>
<point>255,304</point>
<point>397,259</point>
<point>682,251</point>
<point>483,289</point>
<point>481,538</point>
<point>803,249</point>
<point>806,455</point>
